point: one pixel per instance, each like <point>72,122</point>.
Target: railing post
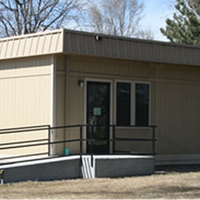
<point>81,142</point>
<point>153,138</point>
<point>91,146</point>
<point>49,140</point>
<point>114,139</point>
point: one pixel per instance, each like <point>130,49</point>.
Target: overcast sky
<point>155,14</point>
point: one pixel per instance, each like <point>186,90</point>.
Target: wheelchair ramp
<point>71,167</point>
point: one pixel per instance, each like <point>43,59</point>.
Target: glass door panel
<point>98,113</point>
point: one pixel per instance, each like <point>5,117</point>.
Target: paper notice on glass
<point>96,111</point>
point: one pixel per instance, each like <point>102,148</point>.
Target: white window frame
<point>133,100</point>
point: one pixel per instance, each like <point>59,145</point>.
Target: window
<point>123,104</point>
<point>132,104</point>
<point>141,104</point>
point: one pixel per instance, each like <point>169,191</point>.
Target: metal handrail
<point>80,139</point>
<point>24,127</point>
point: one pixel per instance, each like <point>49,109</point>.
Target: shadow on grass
<point>177,168</point>
<point>150,192</point>
<point>173,192</point>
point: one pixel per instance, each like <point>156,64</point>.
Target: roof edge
<point>32,35</point>
<point>132,39</point>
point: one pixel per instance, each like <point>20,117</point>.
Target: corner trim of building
<point>53,102</point>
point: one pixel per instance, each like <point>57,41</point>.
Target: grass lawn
<point>170,185</point>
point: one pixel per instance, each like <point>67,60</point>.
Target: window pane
<point>142,104</point>
<point>123,104</point>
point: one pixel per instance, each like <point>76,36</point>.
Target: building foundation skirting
<point>124,167</point>
<point>182,159</point>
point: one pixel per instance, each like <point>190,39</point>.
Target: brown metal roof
<point>84,43</point>
<point>130,48</point>
<point>49,42</point>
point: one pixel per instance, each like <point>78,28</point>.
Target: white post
<point>53,104</point>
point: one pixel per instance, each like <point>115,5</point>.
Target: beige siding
<point>134,146</point>
<point>60,102</point>
<point>75,111</point>
<point>100,67</point>
<point>31,44</point>
<point>25,97</point>
<point>178,118</point>
<point>178,73</point>
<point>175,97</point>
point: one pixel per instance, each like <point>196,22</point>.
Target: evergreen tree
<point>185,25</point>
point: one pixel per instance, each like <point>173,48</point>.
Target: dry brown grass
<point>167,186</point>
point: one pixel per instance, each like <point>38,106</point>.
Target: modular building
<point>64,77</point>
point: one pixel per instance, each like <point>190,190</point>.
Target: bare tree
<point>27,16</point>
<point>145,34</point>
<point>117,17</point>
